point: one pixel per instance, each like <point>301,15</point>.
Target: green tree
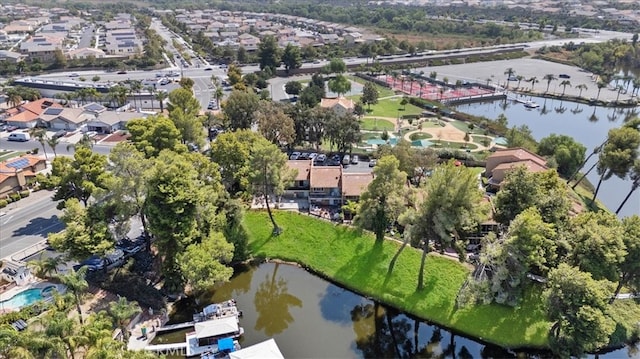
<point>86,232</point>
<point>564,85</point>
<point>269,54</point>
<point>79,177</point>
<point>291,57</point>
<point>343,131</point>
<point>231,151</point>
<point>566,152</point>
<point>336,66</point>
<point>383,200</point>
<point>311,96</point>
<point>340,85</point>
<point>576,304</point>
<point>581,87</point>
<point>549,78</point>
<point>239,109</point>
<point>161,97</point>
<point>275,125</point>
<point>121,312</point>
<point>597,245</point>
<point>269,174</point>
<point>509,72</point>
<point>153,134</point>
<point>186,83</point>
<point>369,94</point>
<point>203,264</point>
<point>451,208</point>
<point>293,88</point>
<point>634,176</point>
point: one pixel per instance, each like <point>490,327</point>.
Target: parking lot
<point>333,159</point>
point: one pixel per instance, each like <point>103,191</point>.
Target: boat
<point>218,310</point>
<point>225,346</point>
<point>531,104</point>
<point>209,334</point>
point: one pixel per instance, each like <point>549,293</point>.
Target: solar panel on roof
<point>53,111</point>
<point>19,164</point>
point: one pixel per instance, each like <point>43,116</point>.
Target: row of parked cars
<point>114,259</point>
<point>322,159</point>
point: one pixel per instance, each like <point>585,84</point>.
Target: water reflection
<point>272,301</point>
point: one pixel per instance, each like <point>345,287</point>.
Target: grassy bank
<point>353,260</point>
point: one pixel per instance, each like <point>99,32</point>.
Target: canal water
<point>586,124</point>
<point>312,318</point>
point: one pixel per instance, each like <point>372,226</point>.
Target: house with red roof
<point>15,173</point>
<point>502,161</point>
<point>27,115</point>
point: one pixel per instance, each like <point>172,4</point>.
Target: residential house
<point>328,39</point>
<point>300,187</point>
<point>43,47</point>
<point>10,56</point>
<point>64,118</point>
<point>17,272</point>
<point>18,27</point>
<point>86,52</point>
<point>111,121</point>
<point>339,105</point>
<point>324,185</point>
<point>249,42</point>
<point>502,161</point>
<point>26,115</point>
<point>15,173</point>
<point>353,184</point>
<point>353,38</point>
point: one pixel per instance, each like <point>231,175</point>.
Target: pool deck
<point>16,290</point>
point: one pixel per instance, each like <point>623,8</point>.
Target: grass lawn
<point>454,145</point>
<point>463,126</point>
<point>355,261</point>
<point>481,139</point>
<point>369,136</point>
<point>376,124</point>
<point>391,108</point>
<point>419,136</point>
<point>6,155</point>
<point>382,91</point>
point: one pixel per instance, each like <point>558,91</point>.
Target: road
<point>61,149</point>
<point>87,36</point>
<point>27,222</point>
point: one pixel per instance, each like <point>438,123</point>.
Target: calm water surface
<point>586,124</point>
<point>312,318</point>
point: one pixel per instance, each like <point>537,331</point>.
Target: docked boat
<point>531,104</point>
<point>208,336</point>
<point>218,310</point>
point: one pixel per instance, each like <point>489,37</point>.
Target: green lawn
<point>376,124</point>
<point>6,155</point>
<point>420,136</point>
<point>391,108</point>
<point>478,139</point>
<point>369,136</point>
<point>382,91</point>
<point>454,145</point>
<point>463,126</point>
<point>353,260</point>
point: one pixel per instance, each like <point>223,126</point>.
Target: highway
<point>27,222</point>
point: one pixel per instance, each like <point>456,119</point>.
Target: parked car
<point>74,75</point>
<point>159,75</point>
<point>59,134</point>
<point>346,160</point>
<point>373,163</point>
<point>313,155</point>
<point>321,158</point>
<point>294,156</point>
<point>564,76</point>
<point>304,156</point>
<point>355,159</point>
<point>19,137</point>
<point>212,106</point>
<point>121,72</point>
<point>513,78</point>
<point>208,69</point>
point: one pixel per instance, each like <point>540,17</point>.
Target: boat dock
<point>172,327</point>
<point>173,348</point>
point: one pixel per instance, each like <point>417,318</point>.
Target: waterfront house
<point>501,161</point>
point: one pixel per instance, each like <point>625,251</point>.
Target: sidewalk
<point>149,321</point>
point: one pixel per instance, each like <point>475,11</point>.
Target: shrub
<point>24,194</point>
<point>35,151</point>
<point>14,197</point>
<point>3,203</point>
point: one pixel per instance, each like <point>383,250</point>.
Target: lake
<point>310,317</point>
<point>586,124</point>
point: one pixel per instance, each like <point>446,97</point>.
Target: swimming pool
<point>26,297</point>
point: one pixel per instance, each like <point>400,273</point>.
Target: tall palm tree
<point>121,312</point>
<point>40,134</point>
<point>601,85</point>
<point>136,87</point>
<point>152,91</point>
<point>77,285</point>
<point>534,80</point>
<point>60,328</point>
<point>161,96</point>
<point>636,86</point>
<point>634,175</point>
<point>564,85</point>
<point>619,88</point>
<point>509,72</point>
<point>549,78</point>
<point>595,151</point>
<point>520,78</point>
<point>581,87</point>
<point>53,143</point>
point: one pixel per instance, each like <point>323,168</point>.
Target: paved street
<point>27,222</point>
<point>61,149</point>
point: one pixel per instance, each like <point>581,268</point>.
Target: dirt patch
<point>117,137</point>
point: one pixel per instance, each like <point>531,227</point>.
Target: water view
<point>587,124</point>
<point>312,318</point>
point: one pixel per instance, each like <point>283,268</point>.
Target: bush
<point>14,197</point>
<point>3,203</point>
<point>24,194</point>
<point>35,151</point>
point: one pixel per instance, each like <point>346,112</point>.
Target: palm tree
<point>64,330</point>
<point>520,78</point>
<point>13,98</point>
<point>136,87</point>
<point>152,91</point>
<point>215,80</point>
<point>564,85</point>
<point>634,175</point>
<point>549,78</point>
<point>636,86</point>
<point>77,285</point>
<point>509,72</point>
<point>161,96</point>
<point>581,87</point>
<point>45,267</point>
<point>53,143</point>
<point>121,312</point>
<point>595,151</point>
<point>601,85</point>
<point>534,80</point>
<point>619,88</point>
<point>40,134</point>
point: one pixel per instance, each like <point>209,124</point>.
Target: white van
<point>19,137</point>
<point>346,160</point>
